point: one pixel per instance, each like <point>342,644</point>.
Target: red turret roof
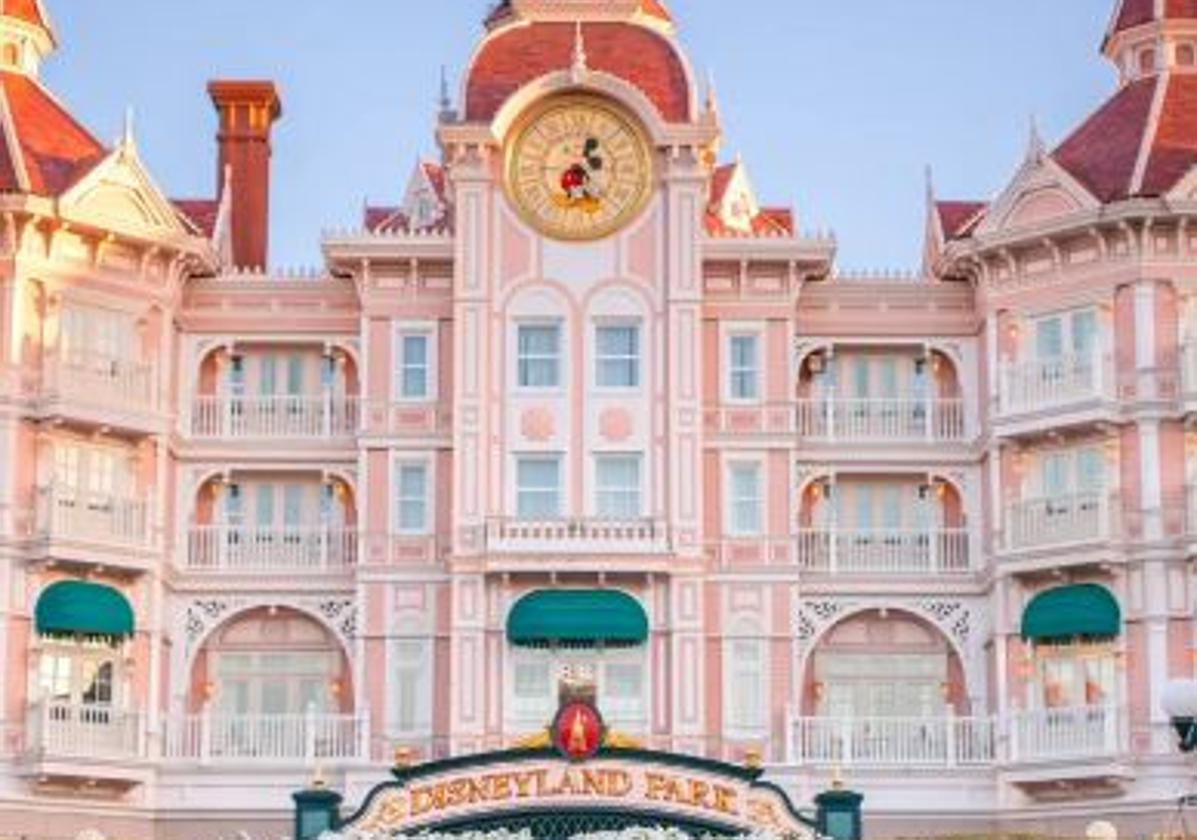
<point>30,11</point>
<point>1134,13</point>
<point>511,58</point>
<point>1126,149</point>
<point>44,149</point>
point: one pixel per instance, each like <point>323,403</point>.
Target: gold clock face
<point>578,168</point>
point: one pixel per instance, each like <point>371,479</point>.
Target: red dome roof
<point>513,57</point>
<point>1134,13</point>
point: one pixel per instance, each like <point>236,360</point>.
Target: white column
<point>1150,491</point>
<point>1155,622</point>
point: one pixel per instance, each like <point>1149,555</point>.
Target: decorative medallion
<point>578,730</point>
<point>537,424</point>
<point>616,425</point>
<point>578,168</point>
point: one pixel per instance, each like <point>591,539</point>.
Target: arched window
<point>1147,61</point>
<point>1185,56</point>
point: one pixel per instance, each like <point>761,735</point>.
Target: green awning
<point>1082,610</point>
<point>77,607</point>
<point>577,617</point>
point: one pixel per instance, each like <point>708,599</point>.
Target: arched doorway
<point>271,661</point>
<point>886,687</point>
<point>270,684</point>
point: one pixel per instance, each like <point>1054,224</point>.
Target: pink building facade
<point>934,531</point>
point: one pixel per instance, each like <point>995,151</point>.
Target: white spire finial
<point>128,141</point>
<point>445,104</point>
<point>579,69</point>
<point>929,182</point>
<point>1035,146</point>
<point>712,103</point>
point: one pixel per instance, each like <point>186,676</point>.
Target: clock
<point>578,168</point>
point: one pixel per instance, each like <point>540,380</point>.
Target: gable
<point>119,192</point>
<point>1041,190</point>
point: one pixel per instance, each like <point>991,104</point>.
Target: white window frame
<point>618,323</point>
<point>1067,319</point>
<point>561,359</point>
<point>414,329</point>
<point>411,632</point>
<point>636,457</point>
<point>562,483</point>
<point>398,462</point>
<point>736,721</point>
<point>730,334</point>
<point>729,498</point>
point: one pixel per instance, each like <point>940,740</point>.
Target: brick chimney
<point>247,111</point>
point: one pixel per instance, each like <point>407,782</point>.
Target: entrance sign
<point>658,788</point>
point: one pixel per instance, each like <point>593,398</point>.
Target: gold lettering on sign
<point>416,804</point>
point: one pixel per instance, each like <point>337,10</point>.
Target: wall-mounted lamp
<point>1180,704</point>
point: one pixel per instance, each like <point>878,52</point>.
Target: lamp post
<point>1180,704</point>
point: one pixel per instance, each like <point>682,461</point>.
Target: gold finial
<point>752,758</point>
<point>404,757</point>
<point>837,778</point>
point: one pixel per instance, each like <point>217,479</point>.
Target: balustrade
<point>66,730</point>
<point>614,536</point>
<point>70,513</point>
<point>319,416</point>
<point>898,552</point>
<point>234,549</point>
<point>899,420</point>
<point>301,738</point>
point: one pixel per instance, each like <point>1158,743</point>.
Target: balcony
<point>80,522</point>
<point>884,552</point>
<point>903,420</point>
<point>577,536</point>
<point>305,738</point>
<point>226,549</point>
<point>71,732</point>
<point>1073,382</point>
<point>898,743</point>
<point>1082,732</point>
<point>1060,521</point>
<point>98,384</point>
<point>273,418</point>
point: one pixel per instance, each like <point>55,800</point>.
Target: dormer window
<point>1185,55</point>
<point>1147,61</point>
<point>11,55</point>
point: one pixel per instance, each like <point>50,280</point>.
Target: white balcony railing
<point>893,742</point>
<point>1059,520</point>
<point>225,548</point>
<point>1069,733</point>
<point>100,381</point>
<point>834,552</point>
<point>67,731</point>
<point>306,737</point>
<point>901,420</point>
<point>319,416</point>
<point>68,513</point>
<point>587,536</point>
<point>1042,384</point>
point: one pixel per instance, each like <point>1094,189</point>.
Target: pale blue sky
<point>836,105</point>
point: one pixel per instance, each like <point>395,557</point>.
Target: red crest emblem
<point>578,731</point>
